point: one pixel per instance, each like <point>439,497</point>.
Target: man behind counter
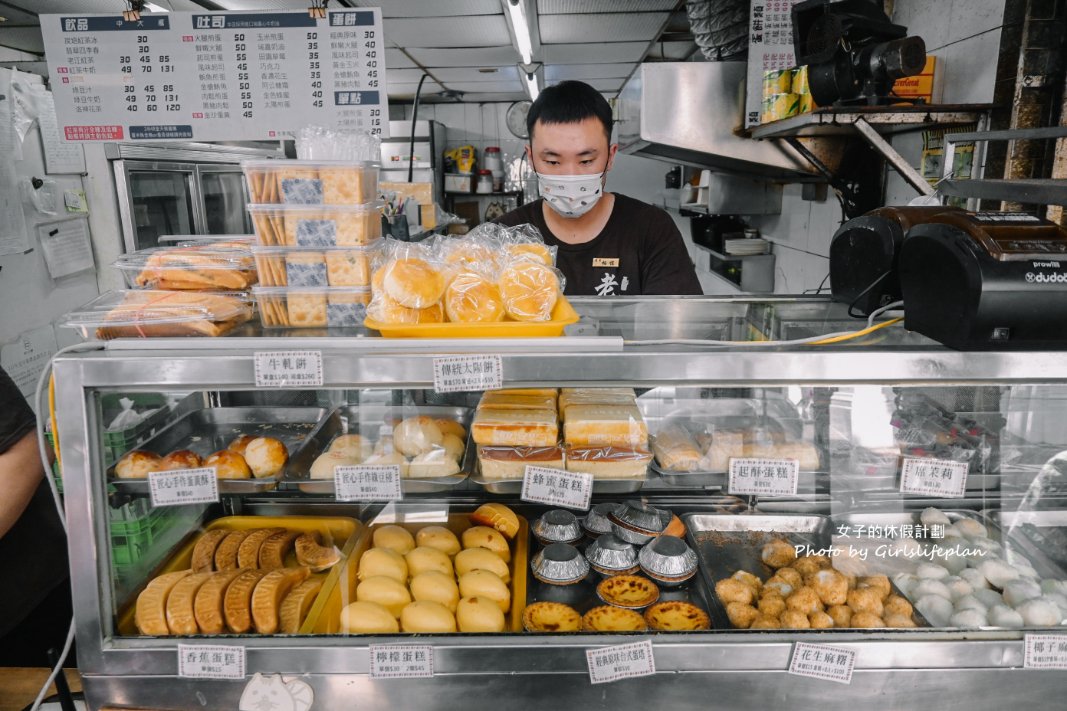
<point>609,244</point>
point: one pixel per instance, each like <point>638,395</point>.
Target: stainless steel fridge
<point>429,149</point>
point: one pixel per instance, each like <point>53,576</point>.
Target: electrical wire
<point>414,118</point>
<point>878,312</point>
<point>825,339</point>
<point>860,295</point>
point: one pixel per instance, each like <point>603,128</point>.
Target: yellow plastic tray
<point>327,609</point>
<point>342,531</point>
<point>563,315</point>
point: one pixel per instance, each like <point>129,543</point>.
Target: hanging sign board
<point>214,76</point>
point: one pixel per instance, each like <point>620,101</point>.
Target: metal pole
<point>912,176</point>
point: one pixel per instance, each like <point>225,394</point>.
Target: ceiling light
<point>531,85</point>
<point>517,11</point>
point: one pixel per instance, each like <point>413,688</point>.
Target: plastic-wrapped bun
<point>413,282</point>
<point>473,298</point>
<point>386,310</point>
<point>530,290</point>
<point>533,251</point>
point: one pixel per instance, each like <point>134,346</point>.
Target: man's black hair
<point>569,102</point>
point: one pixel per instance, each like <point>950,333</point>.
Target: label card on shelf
<point>400,661</point>
<point>367,482</point>
<point>183,486</point>
<point>1045,651</point>
<point>764,477</point>
<point>459,374</point>
<point>819,661</point>
<point>623,661</point>
<point>211,661</point>
<point>942,478</point>
<point>288,369</point>
<point>556,487</point>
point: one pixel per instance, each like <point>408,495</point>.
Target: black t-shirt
<point>34,550</point>
<point>639,252</point>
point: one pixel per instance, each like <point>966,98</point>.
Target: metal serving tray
<point>211,429</point>
<point>367,419</point>
<point>727,543</point>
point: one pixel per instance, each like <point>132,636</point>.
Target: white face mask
<point>571,195</point>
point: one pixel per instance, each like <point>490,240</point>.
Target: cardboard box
<point>926,86</point>
<point>459,183</point>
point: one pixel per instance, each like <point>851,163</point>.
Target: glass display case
<point>885,497</point>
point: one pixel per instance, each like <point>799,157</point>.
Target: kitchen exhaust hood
<point>687,112</point>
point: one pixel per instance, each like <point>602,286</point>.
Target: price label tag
<point>622,661</point>
<point>1045,651</point>
<point>211,661</point>
<point>458,374</point>
<point>555,487</point>
<point>934,477</point>
<point>183,486</point>
<point>367,482</point>
<point>765,477</point>
<point>288,369</point>
<point>819,661</point>
<point>400,661</point>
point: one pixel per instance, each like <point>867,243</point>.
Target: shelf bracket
<point>908,173</point>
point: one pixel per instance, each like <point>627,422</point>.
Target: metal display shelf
<point>722,669</point>
<point>1031,192</point>
<point>887,120</point>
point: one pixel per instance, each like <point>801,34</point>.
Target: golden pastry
<point>353,446</point>
<point>237,601</point>
<point>248,551</point>
<point>490,538</point>
<point>296,605</point>
<point>415,435</point>
<point>820,621</point>
<point>151,613</point>
<point>497,516</point>
<point>479,615</point>
<point>180,459</point>
<point>413,283</point>
<point>240,443</point>
<point>472,298</point>
<point>435,586</point>
<point>778,553</point>
<point>382,561</point>
<point>741,615</point>
<point>438,537</point>
<point>551,617</point>
<point>266,456</point>
<point>420,560</point>
<point>481,559</point>
<point>428,617</point>
<point>732,590</point>
<point>181,619</point>
<point>393,537</point>
<point>138,464</point>
<point>451,427</point>
<point>676,616</point>
<point>204,551</point>
<point>841,615</point>
<point>607,618</point>
<point>229,465</point>
<point>794,620</point>
<point>269,593</point>
<point>207,607</point>
<point>529,290</point>
<point>630,591</point>
<point>387,592</point>
<point>482,583</point>
<point>368,618</point>
<point>831,587</point>
<point>226,553</point>
<point>273,551</point>
<point>533,251</point>
<point>866,620</point>
<point>310,552</point>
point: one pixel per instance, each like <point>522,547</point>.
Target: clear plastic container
<point>194,268</point>
<point>311,307</point>
<point>303,182</point>
<point>316,225</point>
<point>152,313</point>
<point>319,266</point>
<point>206,240</point>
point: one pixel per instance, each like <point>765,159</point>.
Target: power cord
<point>863,293</point>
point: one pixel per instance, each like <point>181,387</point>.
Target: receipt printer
<point>986,281</point>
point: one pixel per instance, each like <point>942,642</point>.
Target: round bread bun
<point>497,516</point>
<point>368,618</point>
<point>481,559</point>
<point>424,558</point>
<point>413,283</point>
<point>451,427</point>
<point>180,459</point>
<point>453,446</point>
<point>238,444</point>
<point>438,537</point>
<point>467,251</point>
<point>471,298</point>
<point>532,251</point>
<point>395,538</point>
<point>322,467</point>
<point>435,586</point>
<point>482,583</point>
<point>266,456</point>
<point>384,309</point>
<point>137,464</point>
<point>490,538</point>
<point>388,593</point>
<point>432,464</point>
<point>229,465</point>
<point>529,290</point>
<point>427,617</point>
<point>353,446</point>
<point>390,458</point>
<point>479,614</point>
<point>416,435</point>
<point>382,561</point>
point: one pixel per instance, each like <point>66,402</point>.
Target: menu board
<point>212,76</point>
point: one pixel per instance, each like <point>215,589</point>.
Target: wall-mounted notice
<point>212,76</point>
<point>770,47</point>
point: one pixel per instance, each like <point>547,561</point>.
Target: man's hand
<point>20,475</point>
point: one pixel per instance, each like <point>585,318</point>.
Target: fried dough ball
<point>896,605</point>
<point>831,587</point>
<point>841,615</point>
<point>823,561</point>
<point>820,621</point>
<point>771,605</point>
<point>867,620</point>
<point>795,619</point>
<point>733,590</point>
<point>741,614</point>
<point>804,600</point>
<point>865,600</point>
<point>807,565</point>
<point>790,575</point>
<point>899,621</point>
<point>878,582</point>
<point>763,622</point>
<point>748,579</point>
<point>777,586</point>
<point>778,553</point>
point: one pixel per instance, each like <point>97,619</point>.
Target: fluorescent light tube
<point>517,11</point>
<point>531,85</point>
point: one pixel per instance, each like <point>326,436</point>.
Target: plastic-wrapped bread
<point>804,452</point>
<point>595,396</point>
<point>608,462</point>
<point>675,449</point>
<point>724,444</point>
<point>515,428</point>
<point>605,426</point>
<point>508,400</point>
<point>511,462</point>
